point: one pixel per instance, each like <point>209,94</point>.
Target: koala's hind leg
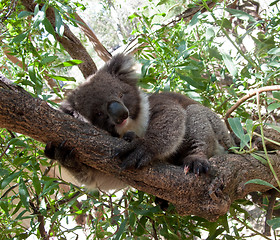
<point>206,135</point>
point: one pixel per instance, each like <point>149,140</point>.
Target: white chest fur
<point>140,124</point>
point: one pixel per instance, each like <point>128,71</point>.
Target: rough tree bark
<point>207,196</point>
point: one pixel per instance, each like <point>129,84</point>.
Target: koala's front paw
<point>197,164</point>
<point>129,136</point>
<point>64,155</point>
<point>136,155</point>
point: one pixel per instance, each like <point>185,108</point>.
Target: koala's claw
<point>196,164</point>
<point>135,156</point>
<point>129,136</point>
<point>61,153</point>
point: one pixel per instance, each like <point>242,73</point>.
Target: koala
<point>163,126</point>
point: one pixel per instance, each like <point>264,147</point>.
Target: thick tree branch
<point>208,196</point>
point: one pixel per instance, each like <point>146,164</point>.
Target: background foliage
<point>215,58</point>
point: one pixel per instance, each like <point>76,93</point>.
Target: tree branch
<point>207,196</point>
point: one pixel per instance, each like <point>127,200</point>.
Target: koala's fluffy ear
<point>68,108</point>
<point>121,66</point>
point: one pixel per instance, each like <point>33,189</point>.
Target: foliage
<point>205,59</point>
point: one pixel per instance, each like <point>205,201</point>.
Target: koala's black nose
<point>118,112</point>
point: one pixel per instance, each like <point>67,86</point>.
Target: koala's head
<point>109,99</point>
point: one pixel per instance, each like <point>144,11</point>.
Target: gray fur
<point>169,126</point>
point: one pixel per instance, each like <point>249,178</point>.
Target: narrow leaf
<point>10,178</point>
<point>23,193</point>
<point>48,26</point>
<point>20,38</point>
<point>70,63</point>
<point>62,78</point>
<point>240,14</point>
<point>229,64</point>
<point>261,182</point>
<point>23,14</point>
<point>276,128</point>
<point>59,26</point>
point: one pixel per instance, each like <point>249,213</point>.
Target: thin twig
<point>246,97</point>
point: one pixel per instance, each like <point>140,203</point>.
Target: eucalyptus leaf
<point>23,193</point>
<point>70,63</point>
<point>9,179</point>
<point>277,128</point>
<point>19,38</point>
<point>23,14</point>
<point>59,26</point>
<point>261,182</point>
<point>240,14</point>
<point>229,64</point>
<point>274,223</point>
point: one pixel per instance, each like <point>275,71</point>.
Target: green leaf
<point>121,230</point>
<point>276,128</point>
<point>229,64</point>
<point>23,14</point>
<point>18,142</point>
<point>32,74</point>
<point>226,23</point>
<point>240,14</point>
<point>197,84</point>
<point>274,223</point>
<point>210,34</point>
<point>5,206</point>
<point>261,182</point>
<point>140,230</point>
<point>3,172</point>
<point>59,26</point>
<point>17,208</point>
<point>260,158</point>
<point>274,51</point>
<point>48,59</point>
<point>195,19</point>
<point>271,107</point>
<point>23,193</point>
<point>62,78</point>
<point>36,183</point>
<point>48,26</point>
<point>70,63</point>
<point>236,127</point>
<point>20,38</point>
<point>276,94</point>
<point>10,178</point>
<point>249,126</point>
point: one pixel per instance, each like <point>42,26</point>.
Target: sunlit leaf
<point>62,78</point>
<point>59,26</point>
<point>70,63</point>
<point>240,14</point>
<point>229,64</point>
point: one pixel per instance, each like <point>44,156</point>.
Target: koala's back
<point>205,134</point>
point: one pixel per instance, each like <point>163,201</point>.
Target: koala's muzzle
<point>118,112</point>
